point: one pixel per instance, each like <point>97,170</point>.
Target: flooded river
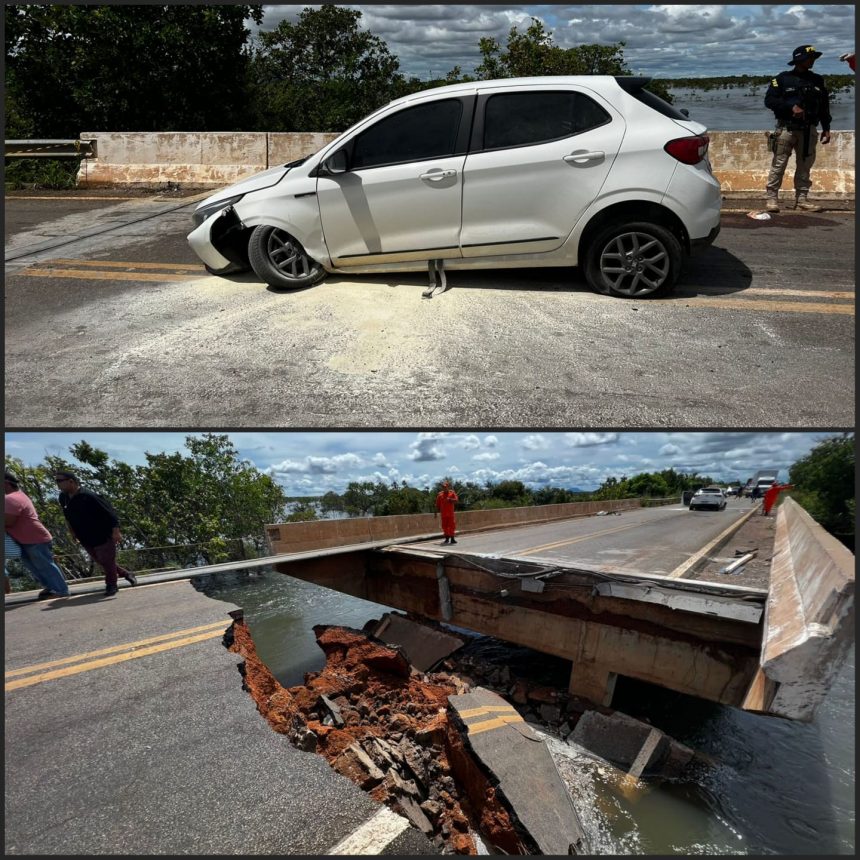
<point>777,787</point>
<point>744,110</point>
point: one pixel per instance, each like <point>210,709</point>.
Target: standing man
<point>770,496</point>
<point>95,525</point>
<point>445,501</point>
<point>26,529</point>
<point>799,101</point>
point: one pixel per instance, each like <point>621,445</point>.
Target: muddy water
<point>775,787</point>
<point>744,110</point>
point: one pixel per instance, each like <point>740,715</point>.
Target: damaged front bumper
<point>218,242</point>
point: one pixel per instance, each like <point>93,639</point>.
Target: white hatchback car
<point>594,171</point>
<point>708,497</point>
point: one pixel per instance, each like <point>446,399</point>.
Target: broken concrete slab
<point>423,645</point>
<point>620,739</point>
<point>522,768</point>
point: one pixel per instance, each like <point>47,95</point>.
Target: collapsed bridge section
<point>769,650</point>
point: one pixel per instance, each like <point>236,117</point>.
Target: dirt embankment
<point>387,727</point>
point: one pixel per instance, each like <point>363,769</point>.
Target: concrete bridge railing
<point>321,534</point>
<point>740,159</point>
<point>809,618</point>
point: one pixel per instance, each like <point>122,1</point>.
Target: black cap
<point>11,477</point>
<point>804,52</point>
<point>63,475</point>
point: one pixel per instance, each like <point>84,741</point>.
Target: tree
<point>177,510</point>
<point>534,53</point>
<point>127,68</point>
<point>823,483</point>
<point>322,73</point>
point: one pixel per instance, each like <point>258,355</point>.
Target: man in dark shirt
<point>799,101</point>
<point>95,525</point>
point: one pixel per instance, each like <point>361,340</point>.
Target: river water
<point>777,787</point>
<point>743,110</point>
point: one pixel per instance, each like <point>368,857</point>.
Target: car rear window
<point>523,119</point>
<point>416,133</point>
<point>656,103</point>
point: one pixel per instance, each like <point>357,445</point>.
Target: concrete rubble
<point>404,736</point>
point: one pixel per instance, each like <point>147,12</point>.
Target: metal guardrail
<point>50,149</point>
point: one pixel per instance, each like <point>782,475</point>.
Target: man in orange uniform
<point>770,496</point>
<point>445,501</point>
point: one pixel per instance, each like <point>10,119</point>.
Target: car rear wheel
<point>280,260</point>
<point>634,260</point>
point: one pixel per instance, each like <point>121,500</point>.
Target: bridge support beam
<point>603,636</point>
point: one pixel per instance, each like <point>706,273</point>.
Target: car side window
<point>523,119</point>
<point>414,134</point>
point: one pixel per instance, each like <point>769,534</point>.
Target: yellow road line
<point>111,264</point>
<point>487,709</point>
<point>36,667</point>
<point>686,566</point>
<point>809,294</point>
<point>82,274</point>
<point>560,543</point>
<point>24,197</point>
<point>497,722</point>
<point>109,661</point>
<point>755,305</point>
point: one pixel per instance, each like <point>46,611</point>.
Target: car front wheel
<point>634,260</point>
<point>280,260</point>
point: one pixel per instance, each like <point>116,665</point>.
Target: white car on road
<point>591,171</point>
<point>708,497</point>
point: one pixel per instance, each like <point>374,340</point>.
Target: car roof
<point>603,84</point>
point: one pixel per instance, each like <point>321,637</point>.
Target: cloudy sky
<point>662,40</point>
<point>313,463</point>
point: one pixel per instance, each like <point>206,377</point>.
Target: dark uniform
<point>806,89</point>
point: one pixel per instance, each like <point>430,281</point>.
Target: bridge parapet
<point>809,619</point>
<point>740,159</point>
<point>321,534</point>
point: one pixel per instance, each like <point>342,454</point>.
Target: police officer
<point>800,101</point>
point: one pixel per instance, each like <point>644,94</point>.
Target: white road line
<point>376,833</point>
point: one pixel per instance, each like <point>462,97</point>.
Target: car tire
<point>634,261</point>
<point>280,260</point>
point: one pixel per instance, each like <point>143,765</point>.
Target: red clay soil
<point>387,727</point>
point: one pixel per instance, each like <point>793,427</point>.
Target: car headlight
<point>201,214</point>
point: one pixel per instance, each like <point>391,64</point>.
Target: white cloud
<point>536,442</point>
<point>487,455</point>
<point>491,441</point>
<point>668,449</point>
<point>584,440</point>
<point>469,443</point>
<point>428,447</point>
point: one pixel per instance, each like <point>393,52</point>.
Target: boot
<point>806,205</point>
<point>772,205</point>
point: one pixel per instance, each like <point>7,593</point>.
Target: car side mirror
<point>685,112</point>
<point>337,163</point>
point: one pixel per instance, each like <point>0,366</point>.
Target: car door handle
<point>436,175</point>
<point>583,157</point>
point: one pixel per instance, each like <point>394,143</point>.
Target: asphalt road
<point>643,540</point>
<point>164,753</point>
<point>119,326</point>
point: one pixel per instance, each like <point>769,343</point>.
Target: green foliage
<point>178,510</point>
<point>322,73</point>
<point>824,483</point>
<point>534,53</point>
<point>651,485</point>
<point>164,67</point>
<point>302,512</point>
<point>41,173</point>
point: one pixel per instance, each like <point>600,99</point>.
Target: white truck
<point>763,480</point>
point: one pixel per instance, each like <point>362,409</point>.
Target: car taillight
<point>689,150</point>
